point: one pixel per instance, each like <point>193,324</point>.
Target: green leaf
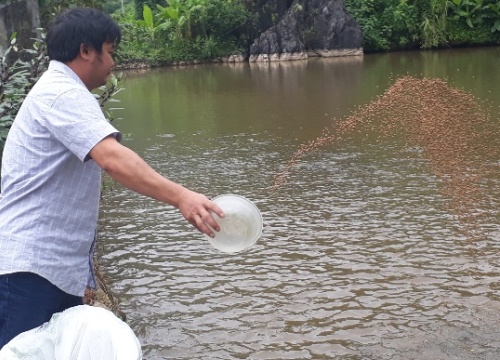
<point>496,26</point>
<point>147,15</point>
<point>172,13</point>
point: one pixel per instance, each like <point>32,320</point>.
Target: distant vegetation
<point>405,24</point>
<point>164,31</point>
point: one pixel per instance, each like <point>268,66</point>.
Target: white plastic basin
<point>241,225</point>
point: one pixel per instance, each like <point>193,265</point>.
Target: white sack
<point>79,333</point>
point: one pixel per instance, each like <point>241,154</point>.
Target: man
<point>51,177</point>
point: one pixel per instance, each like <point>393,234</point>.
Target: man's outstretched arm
<point>130,170</point>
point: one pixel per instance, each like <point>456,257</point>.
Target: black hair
<point>78,26</point>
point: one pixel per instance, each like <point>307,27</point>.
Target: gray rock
<point>309,28</point>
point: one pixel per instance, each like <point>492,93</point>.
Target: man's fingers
<point>216,209</point>
<point>208,219</point>
<point>202,226</point>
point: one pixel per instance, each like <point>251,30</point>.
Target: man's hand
<point>196,209</point>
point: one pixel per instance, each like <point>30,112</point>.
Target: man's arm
<point>130,170</point>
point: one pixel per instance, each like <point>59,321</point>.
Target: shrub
<point>19,71</point>
<point>184,31</point>
<point>386,24</point>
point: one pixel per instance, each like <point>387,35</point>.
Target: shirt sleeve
<point>76,120</point>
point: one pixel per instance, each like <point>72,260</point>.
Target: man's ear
<point>85,51</point>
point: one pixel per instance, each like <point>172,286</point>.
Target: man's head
<point>80,26</point>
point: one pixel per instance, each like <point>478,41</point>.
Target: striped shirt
<point>50,187</point>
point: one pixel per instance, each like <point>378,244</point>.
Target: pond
<point>363,253</point>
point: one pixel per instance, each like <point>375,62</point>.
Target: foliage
<point>162,31</point>
<point>400,24</point>
<point>461,34</point>
<point>406,30</point>
<point>386,24</point>
<point>434,24</point>
<point>477,12</point>
<point>111,6</point>
<point>17,77</point>
<point>184,31</point>
<point>139,6</point>
<point>141,38</point>
<point>107,94</point>
<point>136,44</point>
<point>148,22</point>
<point>182,15</point>
<point>230,20</point>
<point>50,8</point>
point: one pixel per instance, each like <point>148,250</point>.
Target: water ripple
<point>360,258</point>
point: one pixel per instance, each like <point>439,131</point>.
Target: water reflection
<point>360,256</point>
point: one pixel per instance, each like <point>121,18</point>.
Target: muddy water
<point>362,256</point>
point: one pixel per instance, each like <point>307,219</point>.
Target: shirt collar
<point>55,65</point>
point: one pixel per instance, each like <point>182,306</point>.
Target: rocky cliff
<point>307,28</point>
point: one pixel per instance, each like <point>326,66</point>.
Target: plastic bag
<point>79,333</point>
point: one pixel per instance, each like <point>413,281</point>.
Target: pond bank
<point>144,64</point>
<point>241,58</point>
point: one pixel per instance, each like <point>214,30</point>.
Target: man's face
<point>102,64</point>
